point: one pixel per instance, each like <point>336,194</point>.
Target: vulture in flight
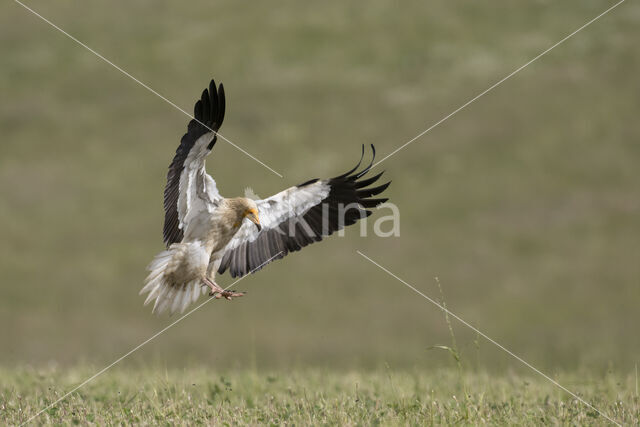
<point>205,233</point>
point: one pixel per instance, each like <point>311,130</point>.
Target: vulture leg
<point>217,292</point>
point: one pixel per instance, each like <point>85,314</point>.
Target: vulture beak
<point>253,217</point>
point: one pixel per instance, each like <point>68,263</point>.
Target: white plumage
<point>206,233</point>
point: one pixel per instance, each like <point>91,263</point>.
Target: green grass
<point>312,396</point>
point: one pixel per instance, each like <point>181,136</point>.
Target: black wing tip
<point>373,203</point>
<point>372,191</point>
<point>311,181</point>
<point>348,174</point>
<point>197,110</point>
<point>368,181</point>
<point>351,181</point>
<point>361,185</point>
<point>363,191</point>
<point>221,104</point>
<point>209,109</point>
<point>220,95</point>
<point>369,166</point>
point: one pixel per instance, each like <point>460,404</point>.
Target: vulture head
<point>243,208</point>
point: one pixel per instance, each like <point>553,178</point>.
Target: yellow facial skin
<point>252,215</point>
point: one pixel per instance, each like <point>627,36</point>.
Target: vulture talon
<point>226,294</point>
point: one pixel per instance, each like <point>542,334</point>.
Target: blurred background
<point>525,205</point>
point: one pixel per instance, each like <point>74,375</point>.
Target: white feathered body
<point>205,233</point>
<point>176,275</point>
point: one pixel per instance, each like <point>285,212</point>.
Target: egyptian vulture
<point>205,233</point>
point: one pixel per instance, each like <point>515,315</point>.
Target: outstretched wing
<point>188,184</point>
<point>299,216</point>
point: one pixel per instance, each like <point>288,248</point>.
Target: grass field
<point>302,397</point>
<point>524,204</point>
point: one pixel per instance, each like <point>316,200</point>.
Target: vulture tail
<point>168,295</point>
